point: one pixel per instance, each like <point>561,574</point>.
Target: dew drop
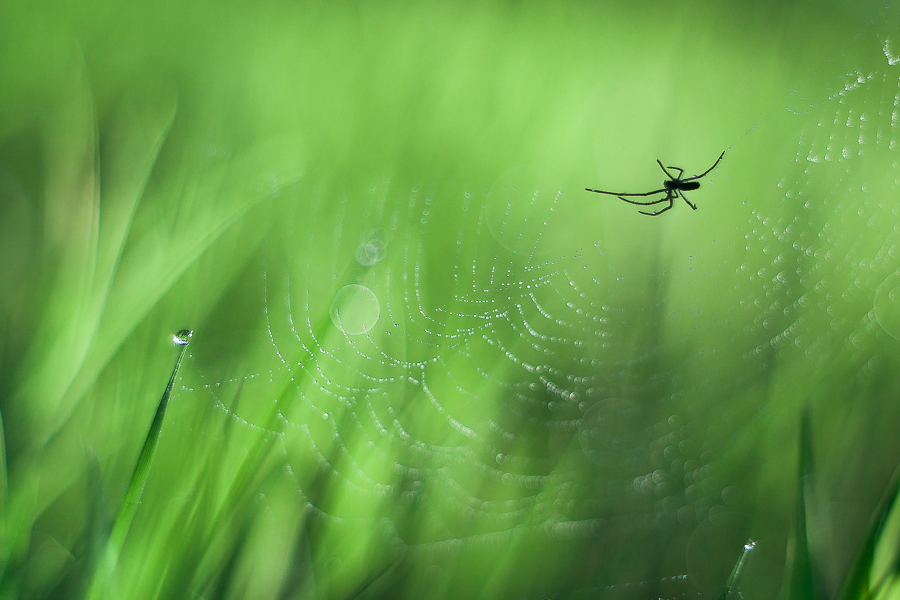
<point>182,338</point>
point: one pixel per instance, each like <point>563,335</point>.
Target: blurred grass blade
<point>738,566</point>
<point>141,471</point>
<point>886,559</point>
<point>858,582</point>
<point>5,525</point>
<point>372,582</point>
<point>801,585</point>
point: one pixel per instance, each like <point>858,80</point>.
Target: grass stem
<point>138,478</point>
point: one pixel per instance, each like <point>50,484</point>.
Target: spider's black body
<point>680,185</point>
<point>673,187</point>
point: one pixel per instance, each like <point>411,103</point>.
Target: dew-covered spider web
<point>516,377</point>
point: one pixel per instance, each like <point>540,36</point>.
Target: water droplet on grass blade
<point>182,338</point>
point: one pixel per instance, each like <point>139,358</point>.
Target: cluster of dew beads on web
<point>439,356</point>
<point>820,239</point>
<point>844,234</point>
<point>440,367</point>
<point>533,388</point>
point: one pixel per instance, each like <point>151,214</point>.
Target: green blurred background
<point>425,362</point>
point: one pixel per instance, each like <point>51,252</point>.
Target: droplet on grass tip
<point>182,338</point>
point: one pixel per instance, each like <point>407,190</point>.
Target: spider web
<point>457,376</point>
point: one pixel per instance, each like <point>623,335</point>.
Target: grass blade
<point>801,583</point>
<point>857,584</point>
<point>139,476</point>
<point>736,571</point>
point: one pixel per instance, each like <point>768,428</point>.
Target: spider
<point>674,187</point>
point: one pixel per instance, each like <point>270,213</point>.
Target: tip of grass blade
<point>738,566</point>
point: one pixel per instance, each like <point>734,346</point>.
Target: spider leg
<point>679,169</point>
<point>704,173</point>
<point>668,197</point>
<point>659,212</point>
<point>620,194</point>
<point>669,175</point>
<point>689,203</point>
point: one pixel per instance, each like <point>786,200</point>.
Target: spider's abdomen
<point>684,186</point>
